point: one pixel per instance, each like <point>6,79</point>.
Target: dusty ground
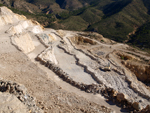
<point>50,97</point>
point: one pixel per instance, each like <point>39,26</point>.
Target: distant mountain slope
<point>114,19</point>
<point>117,25</point>
<point>142,36</point>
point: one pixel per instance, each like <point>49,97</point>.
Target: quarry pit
<point>57,60</point>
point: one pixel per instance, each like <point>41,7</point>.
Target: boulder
<point>137,106</point>
<point>121,97</point>
<point>114,93</point>
<point>23,42</point>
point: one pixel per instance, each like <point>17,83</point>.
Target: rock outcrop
<point>138,66</point>
<point>82,40</point>
<point>20,27</point>
<point>23,42</point>
<point>8,17</point>
<point>48,55</point>
<point>47,39</point>
<point>142,71</point>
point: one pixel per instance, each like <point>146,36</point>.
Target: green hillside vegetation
<point>44,19</point>
<point>142,37</point>
<point>147,5</point>
<point>119,25</point>
<point>92,15</point>
<point>42,2</point>
<point>73,23</point>
<point>112,28</point>
<point>114,20</point>
<point>115,7</point>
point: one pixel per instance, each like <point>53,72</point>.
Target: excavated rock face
<point>48,55</point>
<point>8,17</point>
<point>136,65</point>
<point>20,28</point>
<point>124,56</point>
<point>82,40</point>
<point>47,39</point>
<point>146,109</point>
<point>37,29</point>
<point>140,70</point>
<point>23,42</point>
<point>4,11</point>
<point>96,36</point>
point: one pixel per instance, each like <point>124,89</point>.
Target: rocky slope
<point>37,58</point>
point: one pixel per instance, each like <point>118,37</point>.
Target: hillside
<point>141,38</point>
<point>114,19</point>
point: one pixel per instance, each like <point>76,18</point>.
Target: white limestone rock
<point>20,27</point>
<point>48,55</point>
<point>8,17</point>
<point>23,42</point>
